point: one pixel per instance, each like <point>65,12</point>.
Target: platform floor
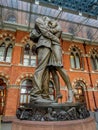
<point>7,126</point>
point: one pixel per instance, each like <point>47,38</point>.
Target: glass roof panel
<point>26,13</point>
<point>23,5</point>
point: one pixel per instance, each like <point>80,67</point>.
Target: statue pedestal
<point>83,124</point>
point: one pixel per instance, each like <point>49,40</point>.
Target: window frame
<point>30,56</point>
<point>73,59</point>
<point>25,95</point>
<point>94,60</point>
<point>5,53</point>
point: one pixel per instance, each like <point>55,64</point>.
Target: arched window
<point>75,59</point>
<point>2,51</point>
<point>94,59</point>
<point>9,53</point>
<point>26,87</point>
<point>72,60</point>
<point>79,91</point>
<point>29,56</point>
<point>11,18</point>
<point>6,52</point>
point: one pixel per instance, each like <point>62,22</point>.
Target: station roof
<point>78,18</point>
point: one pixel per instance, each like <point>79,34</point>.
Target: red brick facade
<point>13,73</point>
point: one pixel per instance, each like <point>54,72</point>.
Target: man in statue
<point>49,59</point>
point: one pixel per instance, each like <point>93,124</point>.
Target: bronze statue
<point>47,34</point>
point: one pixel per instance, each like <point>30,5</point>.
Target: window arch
<point>6,51</point>
<point>79,91</point>
<point>11,18</point>
<point>29,55</point>
<point>94,59</point>
<point>75,59</point>
<point>26,87</point>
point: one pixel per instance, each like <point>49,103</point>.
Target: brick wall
<point>15,70</point>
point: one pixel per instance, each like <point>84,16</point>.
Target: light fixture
<point>80,13</point>
<point>79,91</point>
<point>37,2</point>
<point>60,8</point>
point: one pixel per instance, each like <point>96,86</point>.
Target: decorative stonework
<point>75,46</point>
<point>79,79</point>
<point>5,77</point>
<point>5,36</point>
<point>22,77</point>
<point>26,40</point>
<point>93,49</point>
<point>52,112</point>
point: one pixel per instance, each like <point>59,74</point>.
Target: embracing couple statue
<point>46,34</point>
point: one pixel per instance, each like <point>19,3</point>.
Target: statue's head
<point>52,23</point>
<point>45,18</point>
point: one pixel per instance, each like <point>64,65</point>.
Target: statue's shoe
<point>41,100</point>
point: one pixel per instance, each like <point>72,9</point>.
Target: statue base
<point>52,112</point>
<point>85,124</point>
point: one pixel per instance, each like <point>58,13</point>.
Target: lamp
<point>60,8</point>
<point>80,13</point>
<point>80,91</point>
<point>37,2</point>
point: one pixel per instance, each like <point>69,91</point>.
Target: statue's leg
<point>56,83</point>
<point>66,79</point>
<point>43,57</point>
<point>45,84</point>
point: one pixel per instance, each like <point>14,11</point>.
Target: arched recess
<point>28,54</point>
<point>7,42</point>
<point>79,93</point>
<point>76,60</point>
<point>3,92</point>
<point>25,88</point>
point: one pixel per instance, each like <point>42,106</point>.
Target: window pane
<point>33,62</point>
<point>72,61</point>
<point>28,98</point>
<point>9,54</point>
<point>2,50</point>
<point>24,98</point>
<point>23,90</point>
<point>77,61</point>
<point>21,98</point>
<point>26,62</point>
<point>26,87</point>
<point>27,55</point>
<point>93,62</point>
